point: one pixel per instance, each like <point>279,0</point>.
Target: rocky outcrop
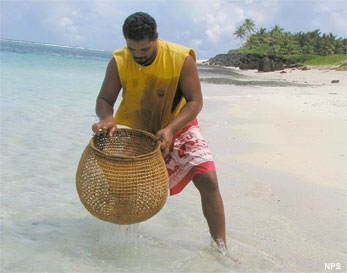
<point>251,61</point>
<point>266,65</point>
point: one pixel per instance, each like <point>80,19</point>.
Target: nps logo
<point>332,266</point>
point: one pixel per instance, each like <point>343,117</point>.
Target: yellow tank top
<point>149,91</point>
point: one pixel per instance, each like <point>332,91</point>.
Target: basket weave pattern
<point>123,179</point>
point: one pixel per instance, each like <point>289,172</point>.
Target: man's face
<point>144,51</point>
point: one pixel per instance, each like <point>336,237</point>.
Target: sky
<point>207,26</point>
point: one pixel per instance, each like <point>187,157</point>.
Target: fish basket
<point>123,179</point>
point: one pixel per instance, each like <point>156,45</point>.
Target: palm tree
<point>245,30</point>
<point>289,45</point>
<point>275,36</point>
<point>314,39</point>
<point>262,35</point>
<point>249,26</point>
<point>341,46</point>
<point>252,42</point>
<point>240,33</point>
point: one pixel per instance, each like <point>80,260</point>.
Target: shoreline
<point>278,78</point>
<point>280,154</point>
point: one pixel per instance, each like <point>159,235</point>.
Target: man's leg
<point>212,204</point>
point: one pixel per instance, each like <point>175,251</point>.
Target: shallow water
<point>47,109</point>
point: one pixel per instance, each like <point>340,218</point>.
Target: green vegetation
<point>299,59</point>
<point>339,60</point>
<point>326,60</point>
<point>311,48</point>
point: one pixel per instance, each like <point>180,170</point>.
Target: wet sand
<point>280,153</point>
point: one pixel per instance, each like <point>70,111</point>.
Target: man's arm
<point>191,90</point>
<point>106,100</point>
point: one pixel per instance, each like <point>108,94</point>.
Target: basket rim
<point>128,158</point>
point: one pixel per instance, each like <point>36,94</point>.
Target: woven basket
<point>123,179</point>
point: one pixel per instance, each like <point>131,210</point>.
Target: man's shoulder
<point>172,46</point>
<point>176,49</point>
<point>120,51</point>
<point>121,56</point>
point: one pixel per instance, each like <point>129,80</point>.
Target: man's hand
<point>165,136</point>
<point>107,125</point>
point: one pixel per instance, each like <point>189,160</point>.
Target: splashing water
<point>118,239</point>
<point>112,234</point>
<point>220,247</point>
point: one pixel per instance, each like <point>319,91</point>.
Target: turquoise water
<point>47,108</point>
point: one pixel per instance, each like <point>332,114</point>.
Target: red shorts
<point>189,155</point>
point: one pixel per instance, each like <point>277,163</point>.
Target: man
<point>162,94</point>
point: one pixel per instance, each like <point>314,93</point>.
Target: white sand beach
<point>281,160</point>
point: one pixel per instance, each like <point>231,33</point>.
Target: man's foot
<point>220,247</point>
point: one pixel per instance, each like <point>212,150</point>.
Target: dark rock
<point>248,60</point>
<point>335,81</point>
<point>244,66</point>
<point>304,68</point>
<point>266,65</point>
<point>295,65</point>
<point>283,72</point>
<point>279,65</point>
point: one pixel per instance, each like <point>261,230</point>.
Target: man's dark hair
<point>139,26</point>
